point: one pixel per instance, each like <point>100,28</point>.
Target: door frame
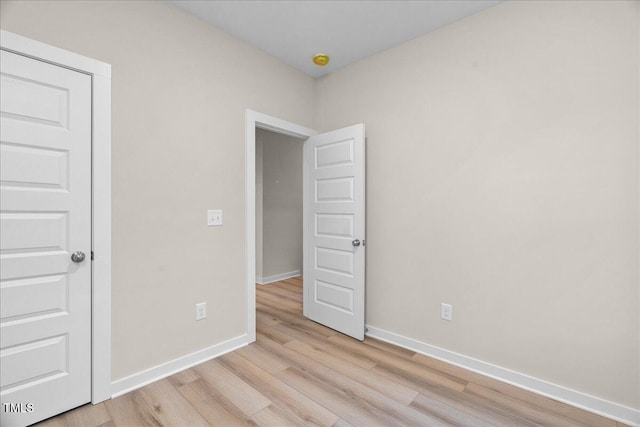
<point>253,120</point>
<point>100,73</point>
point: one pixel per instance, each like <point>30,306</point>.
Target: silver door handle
<point>78,256</point>
<point>356,242</point>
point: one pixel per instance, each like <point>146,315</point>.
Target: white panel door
<point>45,216</point>
<point>334,265</point>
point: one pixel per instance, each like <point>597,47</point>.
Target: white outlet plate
<point>201,311</point>
<point>446,311</point>
<point>214,217</point>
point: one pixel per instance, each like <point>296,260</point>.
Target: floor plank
<point>394,390</point>
<point>447,413</point>
<point>268,361</point>
<point>299,373</point>
<point>272,334</point>
<point>349,407</point>
<point>265,319</point>
<point>157,404</point>
<point>291,357</point>
<point>279,301</point>
<point>523,409</point>
<point>288,294</point>
<point>398,351</point>
<point>87,415</point>
<point>320,342</point>
<point>300,408</point>
<point>385,358</point>
<point>183,377</point>
<point>473,406</point>
<point>274,416</point>
<point>551,405</point>
<point>242,395</point>
<point>213,405</point>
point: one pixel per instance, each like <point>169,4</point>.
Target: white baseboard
<point>140,379</point>
<point>563,394</point>
<point>270,279</point>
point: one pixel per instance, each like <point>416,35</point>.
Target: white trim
<point>277,277</point>
<point>148,376</point>
<point>38,50</point>
<point>101,229</point>
<point>101,196</point>
<point>253,120</point>
<point>305,227</point>
<point>638,182</point>
<point>563,394</point>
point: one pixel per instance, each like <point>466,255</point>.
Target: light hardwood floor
<point>301,373</point>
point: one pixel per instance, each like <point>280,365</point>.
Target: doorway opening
<point>253,121</point>
<point>279,209</point>
<point>333,222</point>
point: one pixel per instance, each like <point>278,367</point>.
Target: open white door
<point>334,210</point>
<point>45,189</point>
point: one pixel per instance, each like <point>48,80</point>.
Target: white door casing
<point>253,120</point>
<point>334,264</point>
<point>45,320</point>
<point>100,73</point>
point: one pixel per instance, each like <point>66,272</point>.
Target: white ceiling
<point>294,31</point>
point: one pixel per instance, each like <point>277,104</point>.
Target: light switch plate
<point>214,217</point>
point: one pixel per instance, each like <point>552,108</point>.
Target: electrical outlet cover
<point>201,311</point>
<point>446,311</point>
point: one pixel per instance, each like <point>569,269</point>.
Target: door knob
<point>78,256</point>
<point>356,242</point>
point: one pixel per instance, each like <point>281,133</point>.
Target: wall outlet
<point>446,311</point>
<point>201,311</point>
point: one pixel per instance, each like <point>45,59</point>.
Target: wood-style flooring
<point>299,373</point>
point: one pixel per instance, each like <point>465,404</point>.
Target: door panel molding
<point>100,73</point>
<point>334,282</point>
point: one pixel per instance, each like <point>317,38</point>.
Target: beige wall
<point>502,174</point>
<point>180,89</point>
<point>282,203</point>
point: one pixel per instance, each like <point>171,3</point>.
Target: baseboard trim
<point>270,279</point>
<point>140,379</point>
<point>563,394</point>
